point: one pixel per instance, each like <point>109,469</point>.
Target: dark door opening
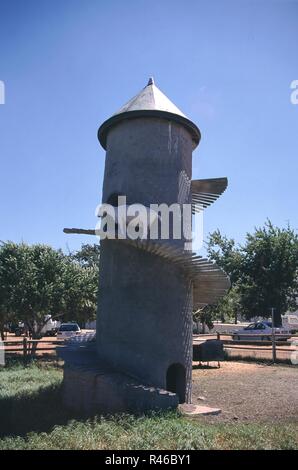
<point>176,381</point>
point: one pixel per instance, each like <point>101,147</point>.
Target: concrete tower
<point>148,288</point>
<point>144,323</point>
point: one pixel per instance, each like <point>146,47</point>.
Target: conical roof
<point>151,101</point>
<point>150,98</point>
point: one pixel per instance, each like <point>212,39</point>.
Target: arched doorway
<point>176,380</point>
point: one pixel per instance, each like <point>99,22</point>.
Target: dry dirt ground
<point>248,392</point>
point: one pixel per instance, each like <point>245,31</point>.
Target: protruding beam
<point>80,231</point>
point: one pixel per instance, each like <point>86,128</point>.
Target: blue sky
<point>68,65</point>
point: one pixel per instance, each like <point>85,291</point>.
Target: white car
<point>67,330</point>
<point>261,331</point>
<point>290,322</point>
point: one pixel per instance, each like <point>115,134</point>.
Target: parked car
<point>67,330</point>
<point>18,329</point>
<point>290,321</point>
<point>50,328</point>
<point>261,331</point>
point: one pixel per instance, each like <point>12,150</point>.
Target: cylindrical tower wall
<point>144,321</point>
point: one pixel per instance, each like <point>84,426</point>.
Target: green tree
<point>86,264</point>
<point>229,257</point>
<point>33,279</point>
<point>6,315</point>
<point>88,255</point>
<point>80,292</point>
<point>269,275</point>
<point>226,254</point>
<point>37,280</point>
<point>263,272</point>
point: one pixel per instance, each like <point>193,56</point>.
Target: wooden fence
<point>28,347</point>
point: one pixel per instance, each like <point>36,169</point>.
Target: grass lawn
<point>32,417</point>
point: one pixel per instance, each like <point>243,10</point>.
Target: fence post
<point>25,347</point>
<point>2,352</point>
<point>273,337</point>
<point>218,335</point>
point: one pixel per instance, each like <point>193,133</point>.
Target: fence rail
<point>253,348</point>
<point>31,347</point>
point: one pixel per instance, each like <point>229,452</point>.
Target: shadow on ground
<point>40,412</point>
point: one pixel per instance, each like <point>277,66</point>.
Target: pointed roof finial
<point>150,81</point>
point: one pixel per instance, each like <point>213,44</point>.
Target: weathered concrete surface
<point>144,320</point>
<point>90,386</point>
<point>144,159</point>
<point>197,410</point>
<point>92,390</point>
<point>146,297</point>
<point>148,290</point>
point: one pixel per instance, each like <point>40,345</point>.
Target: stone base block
<point>197,410</point>
<point>90,390</point>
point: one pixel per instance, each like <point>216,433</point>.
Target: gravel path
<point>248,392</point>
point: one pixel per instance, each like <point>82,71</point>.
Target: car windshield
<point>250,327</point>
<point>268,323</point>
<point>69,328</point>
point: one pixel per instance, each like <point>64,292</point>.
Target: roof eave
<point>187,123</point>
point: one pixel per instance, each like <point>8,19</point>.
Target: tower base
<point>90,387</point>
<point>92,391</point>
